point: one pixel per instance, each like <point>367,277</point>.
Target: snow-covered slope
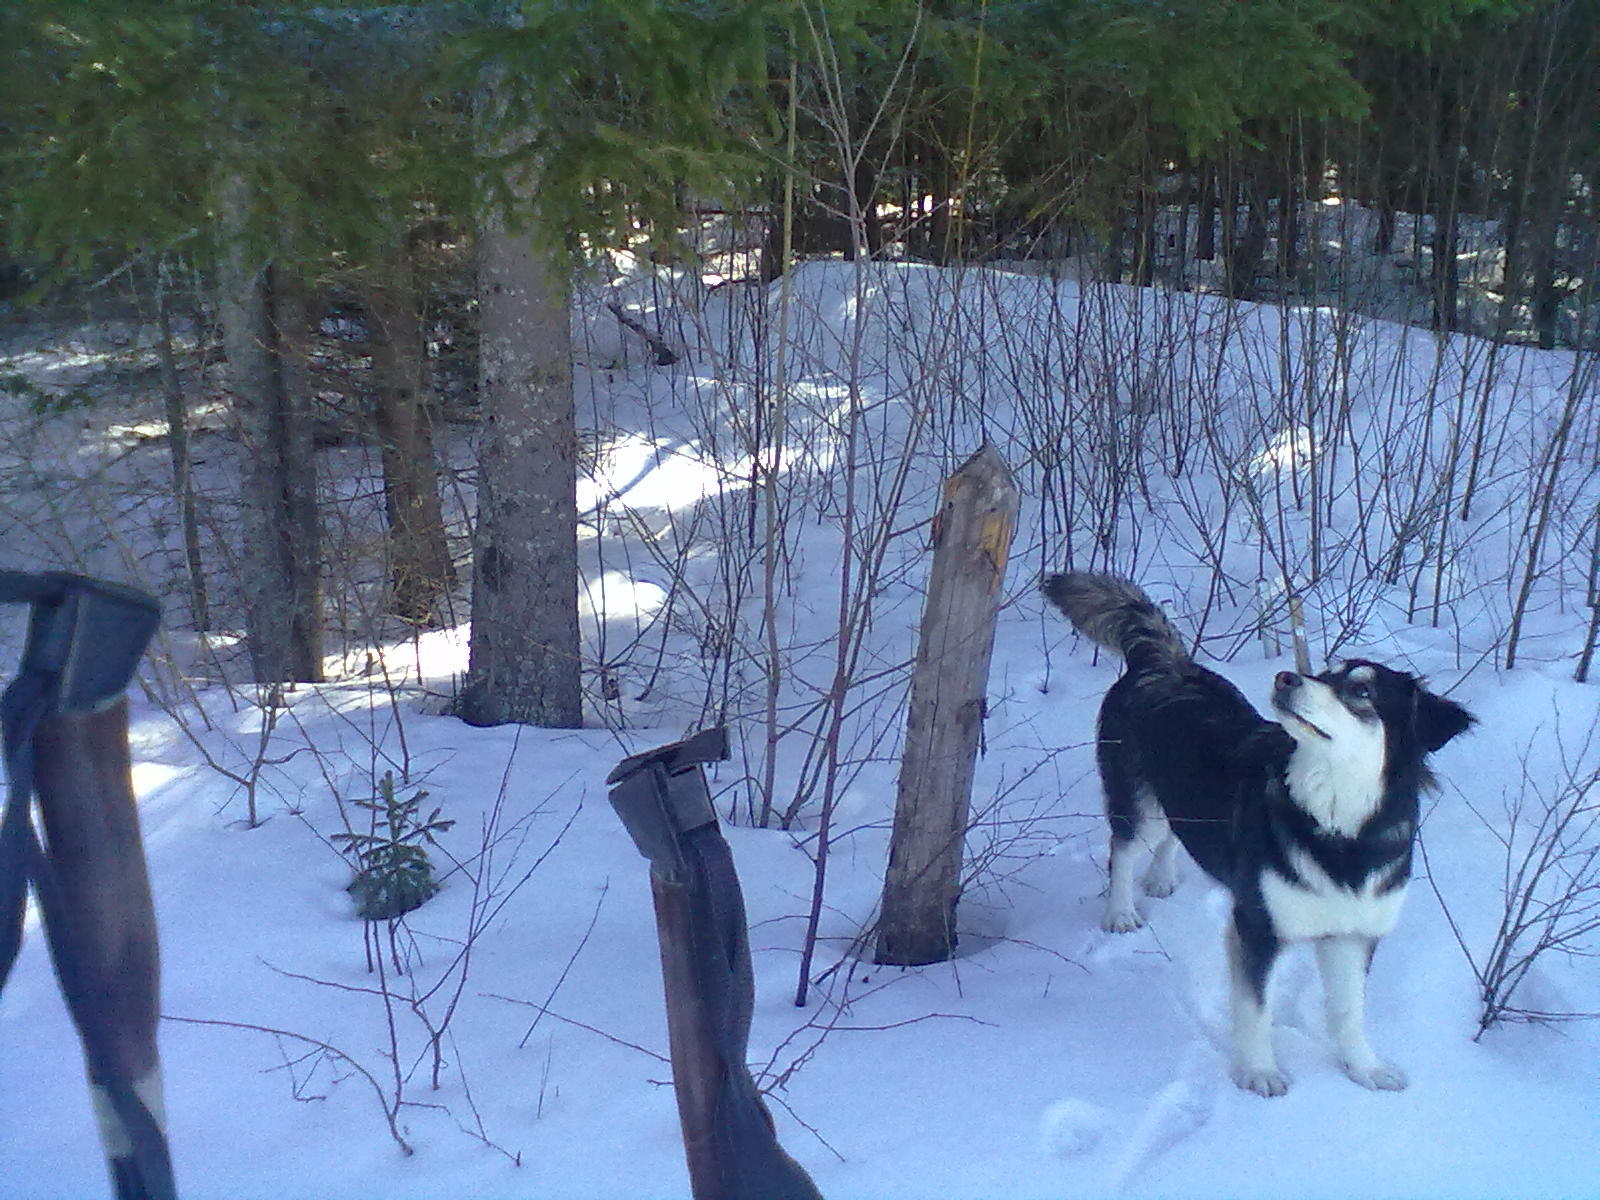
<point>1209,449</point>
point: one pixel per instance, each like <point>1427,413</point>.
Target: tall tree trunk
<point>940,228</point>
<point>1228,212</point>
<point>1181,281</point>
<point>178,444</point>
<point>1111,258</point>
<point>1146,209</point>
<point>420,571</point>
<point>1511,232</point>
<point>300,531</point>
<point>866,197</point>
<point>1205,238</point>
<point>944,234</point>
<point>1544,296</point>
<point>773,263</point>
<point>1383,238</point>
<point>279,562</point>
<point>524,661</point>
<point>1244,253</point>
<point>1446,270</point>
<point>1289,224</point>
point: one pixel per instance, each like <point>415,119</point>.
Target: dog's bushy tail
<point>1119,616</point>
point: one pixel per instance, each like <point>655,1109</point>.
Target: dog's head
<point>1368,711</point>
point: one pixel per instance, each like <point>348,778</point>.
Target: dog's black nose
<point>1287,679</point>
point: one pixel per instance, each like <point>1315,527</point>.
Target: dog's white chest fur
<point>1340,783</point>
<point>1317,907</point>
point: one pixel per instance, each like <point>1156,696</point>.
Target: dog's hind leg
<point>1344,961</point>
<point>1251,953</point>
<point>1121,916</point>
<point>1137,823</point>
<point>1129,810</point>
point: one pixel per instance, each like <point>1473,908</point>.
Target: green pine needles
<point>393,872</point>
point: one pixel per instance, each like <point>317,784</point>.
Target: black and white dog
<point>1308,823</point>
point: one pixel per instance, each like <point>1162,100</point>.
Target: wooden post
<point>971,539</point>
<point>101,902</point>
<point>697,1069</point>
<point>65,722</point>
<point>728,1136</point>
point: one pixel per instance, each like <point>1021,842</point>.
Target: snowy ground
<point>1050,1059</point>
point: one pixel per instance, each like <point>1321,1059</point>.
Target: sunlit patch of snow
<point>148,776</point>
<point>157,428</point>
<point>137,430</point>
<point>650,472</point>
<point>613,595</point>
<point>1290,450</point>
<point>55,358</point>
<point>653,472</point>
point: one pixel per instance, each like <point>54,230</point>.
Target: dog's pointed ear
<point>1439,720</point>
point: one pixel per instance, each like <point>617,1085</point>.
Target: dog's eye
<point>1360,691</point>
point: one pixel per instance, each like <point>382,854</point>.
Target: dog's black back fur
<point>1189,737</point>
<point>1173,732</point>
<point>1171,728</point>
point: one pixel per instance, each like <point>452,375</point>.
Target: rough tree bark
<point>1289,225</point>
<point>524,658</point>
<point>1205,238</point>
<point>420,571</point>
<point>1146,211</point>
<point>1383,238</point>
<point>1446,269</point>
<point>263,325</point>
<point>1245,251</point>
<point>1544,294</point>
<point>972,538</point>
<point>178,444</point>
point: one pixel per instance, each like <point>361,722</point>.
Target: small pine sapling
<point>393,872</point>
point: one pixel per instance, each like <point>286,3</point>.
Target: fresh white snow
<point>1050,1059</point>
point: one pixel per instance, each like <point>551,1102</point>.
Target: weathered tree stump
<point>971,539</point>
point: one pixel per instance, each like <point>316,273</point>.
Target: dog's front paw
<point>1380,1076</point>
<point>1121,920</point>
<point>1263,1081</point>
